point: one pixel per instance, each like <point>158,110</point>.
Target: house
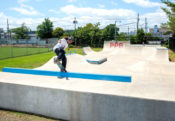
<point>1,33</point>
<point>160,32</point>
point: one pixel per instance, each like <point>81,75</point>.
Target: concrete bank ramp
<point>149,97</point>
<point>88,50</point>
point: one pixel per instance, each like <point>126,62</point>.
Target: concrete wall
<point>81,106</point>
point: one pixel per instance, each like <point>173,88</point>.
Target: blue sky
<point>62,12</point>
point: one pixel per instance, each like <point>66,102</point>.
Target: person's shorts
<point>60,53</point>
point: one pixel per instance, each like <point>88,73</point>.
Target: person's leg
<point>64,61</point>
<point>63,58</point>
<point>57,51</point>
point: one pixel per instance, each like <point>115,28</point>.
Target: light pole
<point>75,22</point>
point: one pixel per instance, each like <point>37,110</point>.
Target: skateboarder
<point>59,49</point>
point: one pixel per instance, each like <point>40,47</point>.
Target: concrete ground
<point>153,79</point>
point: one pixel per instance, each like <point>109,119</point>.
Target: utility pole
<point>75,22</point>
<point>7,28</point>
<point>138,21</point>
<point>128,33</point>
<point>146,25</point>
<point>115,31</point>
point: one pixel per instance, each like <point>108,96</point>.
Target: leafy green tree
<point>133,39</point>
<point>164,26</point>
<point>88,35</point>
<point>45,29</point>
<point>170,11</point>
<point>149,37</point>
<point>122,37</point>
<point>58,32</point>
<point>140,36</point>
<point>67,33</point>
<point>21,32</point>
<point>109,32</point>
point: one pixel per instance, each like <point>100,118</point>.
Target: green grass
<point>17,116</point>
<point>97,49</point>
<point>6,52</point>
<point>27,61</point>
<point>33,61</point>
<point>172,55</point>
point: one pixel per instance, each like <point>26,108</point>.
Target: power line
<point>127,24</point>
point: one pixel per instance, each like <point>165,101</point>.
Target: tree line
<point>91,34</point>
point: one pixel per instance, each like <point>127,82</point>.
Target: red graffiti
<point>116,44</point>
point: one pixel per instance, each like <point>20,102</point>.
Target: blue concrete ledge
<point>69,74</point>
<point>97,62</point>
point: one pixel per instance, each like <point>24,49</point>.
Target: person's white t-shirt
<point>63,45</point>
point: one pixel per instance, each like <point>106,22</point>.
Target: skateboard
<point>56,61</point>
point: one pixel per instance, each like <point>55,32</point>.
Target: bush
<point>72,46</point>
<point>133,39</point>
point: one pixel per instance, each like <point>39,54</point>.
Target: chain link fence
<point>10,48</point>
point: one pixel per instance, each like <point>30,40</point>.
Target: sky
<point>63,12</point>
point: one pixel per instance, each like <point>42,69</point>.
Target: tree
<point>133,39</point>
<point>109,32</point>
<point>88,35</point>
<point>67,33</point>
<point>58,32</point>
<point>149,37</point>
<point>21,32</point>
<point>164,26</point>
<point>45,29</point>
<point>170,11</point>
<point>140,36</point>
<point>122,37</point>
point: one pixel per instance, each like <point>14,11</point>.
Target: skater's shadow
<point>63,75</point>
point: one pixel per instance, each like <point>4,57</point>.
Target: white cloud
<point>143,3</point>
<point>54,11</point>
<point>155,18</point>
<point>101,6</point>
<point>114,3</point>
<point>25,9</point>
<point>72,0</point>
<point>73,10</point>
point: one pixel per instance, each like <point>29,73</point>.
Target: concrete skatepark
<point>148,97</point>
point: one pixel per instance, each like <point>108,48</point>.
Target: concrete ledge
<point>69,74</point>
<point>97,62</point>
<point>83,106</point>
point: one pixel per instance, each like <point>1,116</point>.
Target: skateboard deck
<point>56,61</point>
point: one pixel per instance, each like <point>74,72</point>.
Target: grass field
<point>33,61</point>
<point>6,52</point>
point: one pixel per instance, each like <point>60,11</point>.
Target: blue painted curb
<point>97,62</point>
<point>69,74</point>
